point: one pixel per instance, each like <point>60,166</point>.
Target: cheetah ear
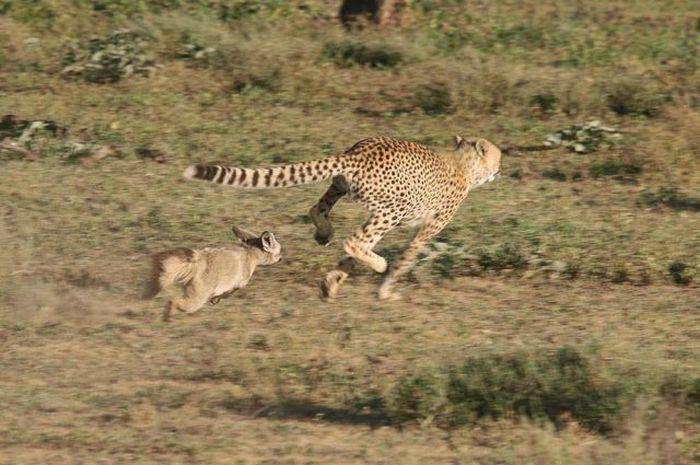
<point>458,141</point>
<point>243,234</point>
<point>268,241</point>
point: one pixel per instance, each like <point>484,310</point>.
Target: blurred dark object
<point>355,14</point>
<point>31,138</point>
<point>147,153</point>
<point>11,126</point>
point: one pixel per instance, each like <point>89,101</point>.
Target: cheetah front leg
<point>407,259</point>
<point>320,213</point>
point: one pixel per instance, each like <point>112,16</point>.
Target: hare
<point>211,273</point>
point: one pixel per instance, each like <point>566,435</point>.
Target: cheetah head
<point>485,156</point>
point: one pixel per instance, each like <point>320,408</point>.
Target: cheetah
<point>396,180</point>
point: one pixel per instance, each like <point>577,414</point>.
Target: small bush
<point>619,274</point>
<point>682,389</point>
<point>258,342</point>
<point>243,71</point>
<point>542,385</point>
<point>434,98</point>
<point>670,197</point>
<point>347,54</point>
<point>634,97</point>
<point>449,265</point>
<point>544,103</point>
<point>261,78</point>
<point>555,174</point>
<point>680,273</point>
<point>620,170</point>
<point>503,257</point>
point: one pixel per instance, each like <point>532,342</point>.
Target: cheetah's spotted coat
<point>396,180</point>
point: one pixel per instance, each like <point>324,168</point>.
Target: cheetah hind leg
<point>361,243</point>
<point>320,213</point>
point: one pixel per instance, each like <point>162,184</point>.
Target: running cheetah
<point>396,180</point>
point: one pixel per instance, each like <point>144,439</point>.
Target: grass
<point>556,323</point>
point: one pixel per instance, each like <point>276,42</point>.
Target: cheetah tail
<point>278,176</point>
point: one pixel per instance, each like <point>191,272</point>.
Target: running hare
<point>211,273</point>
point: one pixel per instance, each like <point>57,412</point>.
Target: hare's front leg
<point>217,299</point>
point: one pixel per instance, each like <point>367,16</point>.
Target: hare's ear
<point>268,241</point>
<point>481,147</point>
<point>243,234</point>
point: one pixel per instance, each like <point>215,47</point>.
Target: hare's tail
<point>168,268</point>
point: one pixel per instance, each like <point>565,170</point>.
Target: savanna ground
<point>557,324</point>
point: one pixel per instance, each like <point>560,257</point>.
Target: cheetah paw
<point>322,239</point>
<point>379,264</point>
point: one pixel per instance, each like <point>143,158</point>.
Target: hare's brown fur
<point>211,273</point>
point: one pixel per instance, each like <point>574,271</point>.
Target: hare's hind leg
<point>170,306</point>
<point>320,213</point>
<point>195,298</point>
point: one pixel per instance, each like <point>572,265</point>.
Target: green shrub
<point>450,264</point>
<point>504,256</point>
<point>347,54</point>
<point>620,170</point>
<point>680,273</point>
<point>544,103</point>
<point>434,98</point>
<point>265,78</point>
<point>670,197</point>
<point>554,174</point>
<point>543,385</point>
<point>682,389</point>
<point>634,97</point>
<point>258,342</point>
<point>416,396</point>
